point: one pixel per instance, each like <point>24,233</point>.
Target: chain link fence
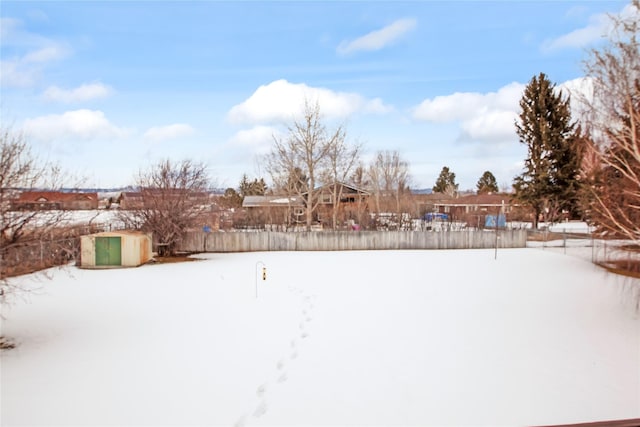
<point>618,255</point>
<point>38,251</point>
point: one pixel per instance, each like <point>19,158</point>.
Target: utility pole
<point>500,210</point>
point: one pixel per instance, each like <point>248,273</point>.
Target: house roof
<point>55,196</point>
<point>131,194</point>
<point>163,191</point>
<point>351,188</point>
<point>271,201</point>
<point>433,197</point>
<point>478,200</point>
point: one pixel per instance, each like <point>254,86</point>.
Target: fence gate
<point>108,251</point>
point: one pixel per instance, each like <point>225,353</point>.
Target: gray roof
<point>271,201</point>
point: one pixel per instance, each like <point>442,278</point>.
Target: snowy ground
<point>334,338</point>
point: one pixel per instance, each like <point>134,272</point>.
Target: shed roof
<point>119,233</point>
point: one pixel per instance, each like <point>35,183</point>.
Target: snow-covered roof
<point>266,201</point>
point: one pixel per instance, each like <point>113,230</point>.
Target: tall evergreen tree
<point>566,165</point>
<point>487,183</point>
<point>446,182</point>
<point>231,199</point>
<point>550,174</point>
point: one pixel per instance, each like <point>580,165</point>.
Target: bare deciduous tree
<point>175,196</point>
<point>342,159</point>
<point>611,163</point>
<point>360,178</point>
<point>29,240</point>
<point>303,153</point>
<point>390,178</point>
<point>21,171</point>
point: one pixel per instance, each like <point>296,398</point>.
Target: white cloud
<point>164,133</point>
<point>447,108</point>
<point>580,90</point>
<point>376,106</point>
<point>378,39</point>
<point>584,106</point>
<point>8,27</point>
<point>258,138</point>
<point>597,28</point>
<point>483,117</point>
<point>280,101</point>
<point>45,54</point>
<point>600,25</point>
<point>23,70</point>
<point>38,15</point>
<point>12,74</point>
<point>79,124</point>
<point>85,92</point>
<point>466,105</point>
<point>496,125</point>
<point>491,117</point>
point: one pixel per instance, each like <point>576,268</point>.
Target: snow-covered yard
<point>333,338</point>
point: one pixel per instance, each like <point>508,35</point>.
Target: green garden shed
<point>114,249</point>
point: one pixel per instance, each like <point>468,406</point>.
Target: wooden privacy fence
<point>349,241</point>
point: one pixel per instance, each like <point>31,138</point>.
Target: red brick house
<point>130,200</point>
<point>55,200</point>
<point>473,208</point>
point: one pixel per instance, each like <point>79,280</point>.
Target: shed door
<point>108,251</point>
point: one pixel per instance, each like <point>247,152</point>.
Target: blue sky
<point>109,88</point>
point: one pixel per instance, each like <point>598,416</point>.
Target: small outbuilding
<point>114,249</point>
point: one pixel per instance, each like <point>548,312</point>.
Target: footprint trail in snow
<point>280,375</point>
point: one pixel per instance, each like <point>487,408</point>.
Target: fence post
<point>264,272</point>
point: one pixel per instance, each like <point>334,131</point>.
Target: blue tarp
<point>435,216</point>
<point>490,221</point>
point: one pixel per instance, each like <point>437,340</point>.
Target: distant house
<point>288,210</point>
<point>130,200</point>
<point>473,208</point>
<point>281,210</point>
<point>348,194</point>
<point>55,200</point>
<point>351,207</point>
<point>474,203</point>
